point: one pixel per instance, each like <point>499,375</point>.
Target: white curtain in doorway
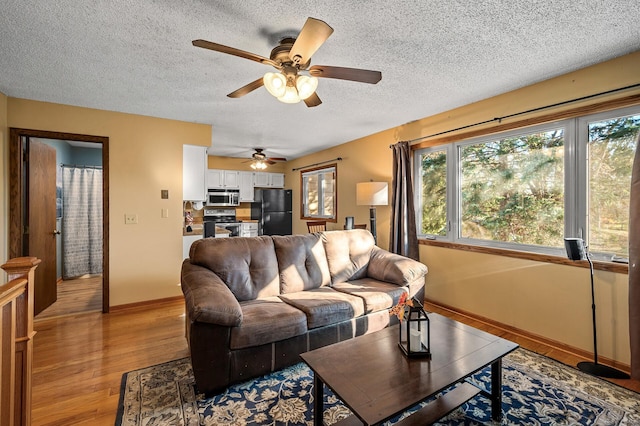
<point>81,221</point>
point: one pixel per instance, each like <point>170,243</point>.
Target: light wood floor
<point>79,360</point>
<point>76,296</point>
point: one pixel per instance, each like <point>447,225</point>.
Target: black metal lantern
<point>414,332</point>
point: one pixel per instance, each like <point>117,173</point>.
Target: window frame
<point>303,192</point>
<point>575,169</point>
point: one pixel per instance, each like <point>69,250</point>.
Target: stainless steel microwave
<point>223,197</point>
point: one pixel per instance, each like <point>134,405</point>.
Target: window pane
<point>433,170</point>
<point>512,189</point>
<point>612,145</point>
<point>318,193</point>
<point>328,192</point>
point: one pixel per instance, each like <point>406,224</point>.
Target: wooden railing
<point>16,341</point>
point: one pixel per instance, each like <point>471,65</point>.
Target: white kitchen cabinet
<point>194,168</point>
<point>215,178</point>
<point>246,187</point>
<point>248,229</point>
<point>268,180</point>
<point>277,180</point>
<point>261,179</point>
<point>221,179</point>
<point>232,179</point>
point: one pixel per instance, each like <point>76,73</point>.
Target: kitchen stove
<point>223,218</point>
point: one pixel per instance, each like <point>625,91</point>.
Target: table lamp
<point>372,194</point>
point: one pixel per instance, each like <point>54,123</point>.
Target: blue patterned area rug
<point>536,391</point>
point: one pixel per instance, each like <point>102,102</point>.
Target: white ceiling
<point>137,57</point>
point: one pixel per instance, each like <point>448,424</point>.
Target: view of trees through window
<point>518,188</point>
<point>434,192</point>
<point>612,145</point>
<point>513,189</point>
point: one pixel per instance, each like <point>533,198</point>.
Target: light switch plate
<point>130,219</point>
<point>164,194</point>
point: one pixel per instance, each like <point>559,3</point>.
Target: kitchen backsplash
<point>243,212</point>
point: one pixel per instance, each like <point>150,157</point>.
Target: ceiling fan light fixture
<point>258,165</point>
<point>306,86</point>
<point>275,83</point>
<point>290,96</point>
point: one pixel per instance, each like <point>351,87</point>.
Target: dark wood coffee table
<point>372,376</point>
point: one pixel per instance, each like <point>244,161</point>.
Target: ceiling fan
<point>291,58</point>
<point>260,160</point>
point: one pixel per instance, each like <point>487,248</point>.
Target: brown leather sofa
<point>254,304</point>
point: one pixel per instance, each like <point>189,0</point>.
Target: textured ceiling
<point>137,57</point>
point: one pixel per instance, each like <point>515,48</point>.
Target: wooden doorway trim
<point>17,193</point>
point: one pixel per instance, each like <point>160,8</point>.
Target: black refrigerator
<point>272,209</point>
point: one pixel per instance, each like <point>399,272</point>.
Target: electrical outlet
<point>130,219</point>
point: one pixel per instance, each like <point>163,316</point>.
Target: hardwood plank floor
<point>76,296</point>
<point>79,360</point>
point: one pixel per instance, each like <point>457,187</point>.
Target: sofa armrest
<point>207,297</point>
<point>394,268</point>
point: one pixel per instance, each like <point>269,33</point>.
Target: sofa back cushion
<point>348,253</point>
<point>248,266</point>
<point>302,262</point>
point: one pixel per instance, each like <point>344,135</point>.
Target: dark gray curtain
<point>634,266</point>
<point>403,238</point>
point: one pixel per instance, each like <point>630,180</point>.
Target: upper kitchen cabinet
<point>223,179</point>
<point>194,172</point>
<point>268,180</point>
<point>246,187</point>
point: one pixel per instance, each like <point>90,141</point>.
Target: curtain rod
<point>516,114</point>
<point>79,166</point>
<point>317,164</point>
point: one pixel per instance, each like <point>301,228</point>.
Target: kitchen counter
<point>198,229</point>
<point>246,220</point>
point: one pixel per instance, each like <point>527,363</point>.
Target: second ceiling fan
<point>292,58</point>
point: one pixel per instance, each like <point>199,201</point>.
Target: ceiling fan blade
<point>247,89</point>
<point>313,100</point>
<point>352,74</point>
<point>269,162</point>
<point>313,34</point>
<point>235,52</point>
<point>276,159</point>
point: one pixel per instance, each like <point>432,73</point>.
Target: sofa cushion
<point>267,320</point>
<point>348,253</point>
<point>302,262</point>
<point>324,306</point>
<point>394,268</point>
<point>376,294</point>
<point>248,266</point>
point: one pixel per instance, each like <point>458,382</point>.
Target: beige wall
<point>4,184</point>
<point>548,300</point>
<point>145,156</point>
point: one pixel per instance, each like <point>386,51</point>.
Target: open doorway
<point>73,276</point>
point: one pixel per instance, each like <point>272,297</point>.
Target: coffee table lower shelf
<point>431,412</point>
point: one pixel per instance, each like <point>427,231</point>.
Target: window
<point>319,199</point>
<point>610,146</point>
<point>512,189</point>
<point>528,188</point>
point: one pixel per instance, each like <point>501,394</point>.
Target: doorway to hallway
<point>25,238</point>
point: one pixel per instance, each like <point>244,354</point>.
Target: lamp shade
<point>372,193</point>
